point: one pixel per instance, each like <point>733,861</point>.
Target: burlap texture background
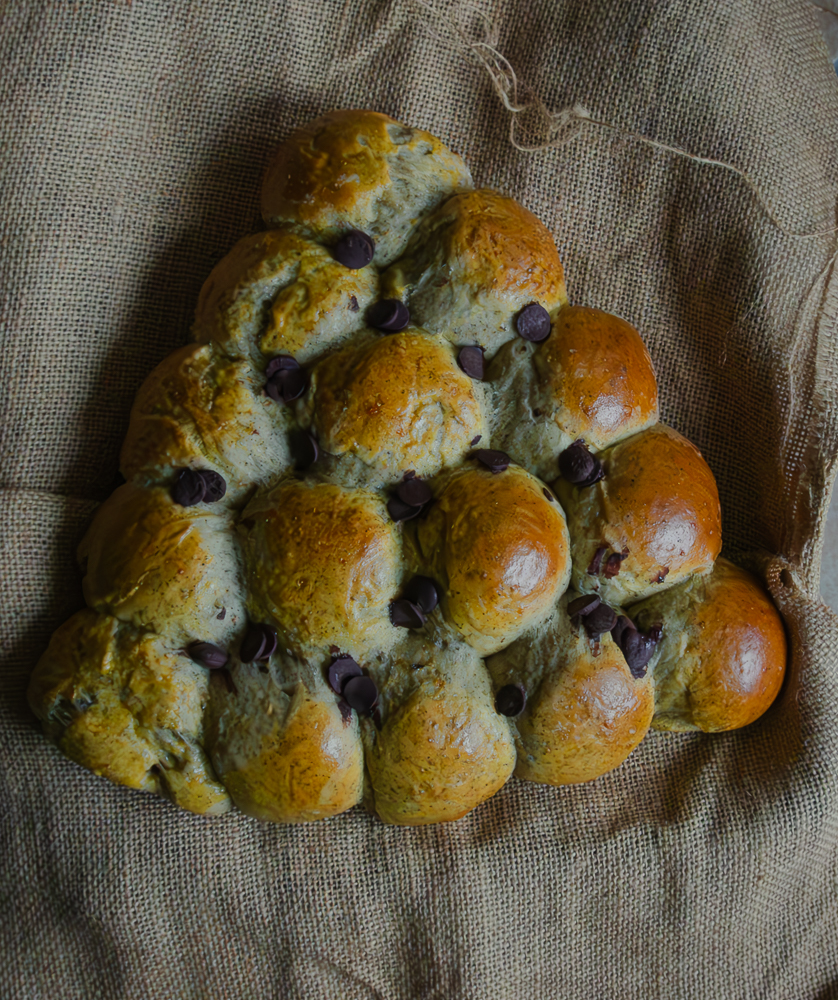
<point>134,136</point>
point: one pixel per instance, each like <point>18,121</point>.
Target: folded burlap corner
<point>134,138</point>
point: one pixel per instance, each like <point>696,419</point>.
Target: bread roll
<point>722,658</point>
<point>398,403</point>
<point>472,266</point>
<point>359,170</point>
<point>651,522</point>
<point>592,378</point>
<point>498,545</point>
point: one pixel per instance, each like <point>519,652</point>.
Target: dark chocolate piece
<point>282,362</point>
<point>361,693</point>
<point>286,384</point>
<point>549,496</point>
<point>578,466</point>
<point>345,711</point>
<point>596,562</point>
<point>305,449</point>
<point>497,461</point>
<point>222,614</point>
<point>354,250</point>
<point>637,649</point>
<point>188,488</point>
<point>470,359</point>
<point>423,592</point>
<point>405,614</point>
<point>401,511</point>
<point>207,655</point>
<point>340,671</point>
<point>623,623</point>
<point>215,485</point>
<point>601,619</point>
<point>583,605</point>
<point>389,315</point>
<point>415,492</point>
<point>510,700</point>
<point>533,323</point>
<point>475,439</point>
<point>612,564</point>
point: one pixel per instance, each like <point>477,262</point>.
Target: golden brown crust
<point>324,563</point>
<point>163,567</point>
<point>473,265</point>
<point>287,759</point>
<point>397,403</point>
<point>500,550</point>
<point>359,170</point>
<point>439,755</point>
<point>658,503</point>
<point>127,706</point>
<point>280,293</point>
<point>599,376</point>
<point>198,410</point>
<point>722,659</point>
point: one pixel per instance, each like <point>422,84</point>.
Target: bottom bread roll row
<point>444,730</point>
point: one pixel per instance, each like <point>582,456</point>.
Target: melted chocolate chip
<point>600,619</point>
<point>345,711</point>
<point>340,671</point>
<point>353,304</point>
<point>497,461</point>
<point>612,564</point>
<point>361,693</point>
<point>533,323</point>
<point>405,614</point>
<point>221,614</point>
<point>389,315</point>
<point>286,384</point>
<point>354,250</point>
<point>282,362</point>
<point>259,643</point>
<point>661,576</point>
<point>414,492</point>
<point>510,700</point>
<point>578,466</point>
<point>470,359</point>
<point>548,495</point>
<point>188,488</point>
<point>423,592</point>
<point>475,439</point>
<point>207,655</point>
<point>623,622</point>
<point>401,511</point>
<point>638,650</point>
<point>410,474</point>
<point>215,485</point>
<point>596,562</point>
<point>583,605</point>
<point>305,450</point>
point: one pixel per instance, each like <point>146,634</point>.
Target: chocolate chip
<point>389,315</point>
<point>259,643</point>
<point>661,576</point>
<point>578,466</point>
<point>548,495</point>
<point>305,450</point>
<point>188,488</point>
<point>215,485</point>
<point>510,700</point>
<point>282,362</point>
<point>497,461</point>
<point>405,614</point>
<point>414,492</point>
<point>207,655</point>
<point>583,605</point>
<point>655,633</point>
<point>612,565</point>
<point>596,562</point>
<point>345,711</point>
<point>221,614</point>
<point>638,650</point>
<point>226,678</point>
<point>533,323</point>
<point>286,384</point>
<point>410,474</point>
<point>340,671</point>
<point>361,693</point>
<point>423,592</point>
<point>600,619</point>
<point>354,250</point>
<point>475,439</point>
<point>353,304</point>
<point>623,623</point>
<point>401,511</point>
<point>470,359</point>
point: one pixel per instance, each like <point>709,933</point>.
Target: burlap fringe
<point>470,32</point>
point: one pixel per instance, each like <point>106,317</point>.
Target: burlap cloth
<point>134,136</point>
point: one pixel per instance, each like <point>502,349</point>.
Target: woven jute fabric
<point>134,136</point>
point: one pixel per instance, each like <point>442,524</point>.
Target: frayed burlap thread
<point>134,136</point>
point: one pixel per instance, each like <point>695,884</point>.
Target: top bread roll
<point>359,170</point>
